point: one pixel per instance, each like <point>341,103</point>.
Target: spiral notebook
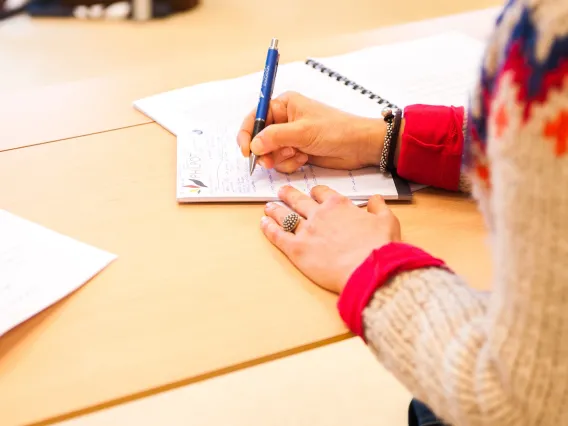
<point>211,169</point>
<point>434,70</point>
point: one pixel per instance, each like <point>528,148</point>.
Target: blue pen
<point>265,94</point>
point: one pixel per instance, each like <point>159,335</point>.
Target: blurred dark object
<point>92,9</point>
<point>8,9</point>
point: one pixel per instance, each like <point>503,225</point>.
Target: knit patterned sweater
<point>497,358</point>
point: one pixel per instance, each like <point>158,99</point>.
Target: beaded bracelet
<point>392,118</point>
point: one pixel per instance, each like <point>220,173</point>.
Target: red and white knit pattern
<point>499,358</point>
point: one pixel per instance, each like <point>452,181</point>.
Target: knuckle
<point>294,200</point>
<point>296,249</point>
<point>337,200</point>
<point>276,238</point>
<point>376,199</point>
<point>387,215</point>
<point>277,102</point>
<point>318,215</point>
<point>286,97</point>
<point>291,94</point>
<point>272,232</point>
<point>293,98</point>
<point>309,227</point>
<point>317,189</point>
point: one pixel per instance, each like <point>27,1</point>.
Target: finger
<point>283,154</point>
<point>278,213</point>
<point>298,201</point>
<point>244,136</point>
<point>277,113</point>
<point>376,204</point>
<point>270,161</point>
<point>279,108</point>
<point>278,136</point>
<point>322,193</point>
<point>277,236</point>
<point>292,164</point>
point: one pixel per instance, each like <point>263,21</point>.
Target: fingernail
<point>264,220</point>
<point>287,152</point>
<point>262,162</point>
<point>301,158</point>
<point>270,206</point>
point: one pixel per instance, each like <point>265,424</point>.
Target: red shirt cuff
<point>431,145</point>
<point>378,268</point>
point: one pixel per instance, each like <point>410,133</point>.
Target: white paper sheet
<point>39,267</point>
<point>211,168</point>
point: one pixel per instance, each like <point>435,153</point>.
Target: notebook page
<point>211,168</point>
<point>436,70</point>
<point>38,267</point>
<point>233,99</point>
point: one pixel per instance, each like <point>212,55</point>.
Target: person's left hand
<point>333,237</point>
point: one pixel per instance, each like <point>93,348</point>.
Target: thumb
<point>376,204</point>
<point>278,136</point>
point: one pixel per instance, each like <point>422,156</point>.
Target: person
<point>467,357</point>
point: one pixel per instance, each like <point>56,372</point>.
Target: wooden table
<point>196,291</point>
<point>49,51</point>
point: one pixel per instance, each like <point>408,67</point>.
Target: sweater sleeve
<point>497,358</point>
<point>431,146</point>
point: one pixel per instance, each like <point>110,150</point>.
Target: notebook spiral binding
<point>350,83</point>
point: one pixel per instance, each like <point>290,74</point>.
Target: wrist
<point>372,141</point>
<point>373,132</point>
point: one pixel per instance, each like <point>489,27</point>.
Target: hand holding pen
<point>300,129</point>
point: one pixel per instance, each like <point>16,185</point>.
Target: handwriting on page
<point>211,166</point>
<point>38,267</point>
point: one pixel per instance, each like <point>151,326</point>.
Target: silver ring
<point>291,222</point>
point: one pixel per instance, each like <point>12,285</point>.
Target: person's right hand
<point>301,130</point>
